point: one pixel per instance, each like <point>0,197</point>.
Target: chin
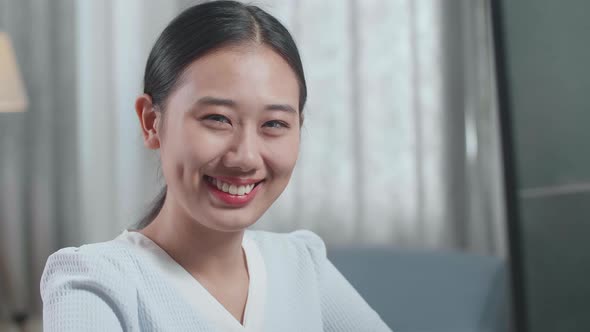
<point>231,221</point>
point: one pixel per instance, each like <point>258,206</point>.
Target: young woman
<point>223,101</point>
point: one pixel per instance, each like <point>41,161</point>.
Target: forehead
<point>247,74</point>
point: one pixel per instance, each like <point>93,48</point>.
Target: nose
<point>244,153</point>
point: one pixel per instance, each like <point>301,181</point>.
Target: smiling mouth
<point>232,188</point>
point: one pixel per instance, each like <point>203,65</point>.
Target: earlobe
<point>149,120</point>
<point>153,139</point>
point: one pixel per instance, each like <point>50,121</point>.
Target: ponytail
<point>154,210</point>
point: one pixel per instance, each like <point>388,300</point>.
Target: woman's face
<point>229,139</point>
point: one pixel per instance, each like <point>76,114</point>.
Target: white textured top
<point>198,296</point>
<point>131,284</point>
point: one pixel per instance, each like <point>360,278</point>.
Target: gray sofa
<point>429,291</point>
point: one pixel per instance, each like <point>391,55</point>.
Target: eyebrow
<point>281,107</point>
<point>214,101</point>
<point>204,101</point>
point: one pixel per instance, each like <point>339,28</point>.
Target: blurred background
<point>425,200</point>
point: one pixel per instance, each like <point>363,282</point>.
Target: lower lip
<point>233,200</point>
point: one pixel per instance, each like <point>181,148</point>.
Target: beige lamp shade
<point>13,97</point>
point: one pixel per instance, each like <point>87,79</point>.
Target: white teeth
<point>232,188</point>
<point>241,190</point>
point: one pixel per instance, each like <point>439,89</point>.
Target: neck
<point>202,251</point>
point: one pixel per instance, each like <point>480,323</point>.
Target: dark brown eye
<point>218,118</point>
<point>276,124</point>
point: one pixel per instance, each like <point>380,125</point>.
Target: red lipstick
<point>234,200</point>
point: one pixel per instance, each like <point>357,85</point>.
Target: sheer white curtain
<point>117,174</point>
<point>400,142</point>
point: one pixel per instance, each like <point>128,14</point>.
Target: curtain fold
<point>399,147</point>
<point>39,191</point>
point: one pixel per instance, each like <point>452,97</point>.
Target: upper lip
<point>235,180</point>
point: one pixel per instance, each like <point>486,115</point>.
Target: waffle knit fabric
<point>112,286</point>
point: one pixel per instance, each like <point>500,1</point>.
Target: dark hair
<point>204,28</point>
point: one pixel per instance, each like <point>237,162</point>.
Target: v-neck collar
<point>197,295</point>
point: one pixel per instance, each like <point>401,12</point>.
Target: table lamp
<point>13,97</point>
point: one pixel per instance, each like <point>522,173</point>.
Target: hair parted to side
<point>199,30</point>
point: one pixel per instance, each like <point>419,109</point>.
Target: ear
<point>149,119</point>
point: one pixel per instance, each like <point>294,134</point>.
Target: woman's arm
<point>343,308</point>
<point>84,292</point>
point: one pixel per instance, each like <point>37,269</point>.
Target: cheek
<point>200,146</point>
<point>284,155</point>
<point>186,151</point>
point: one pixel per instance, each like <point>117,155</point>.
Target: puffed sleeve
<point>83,291</point>
<point>343,308</point>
